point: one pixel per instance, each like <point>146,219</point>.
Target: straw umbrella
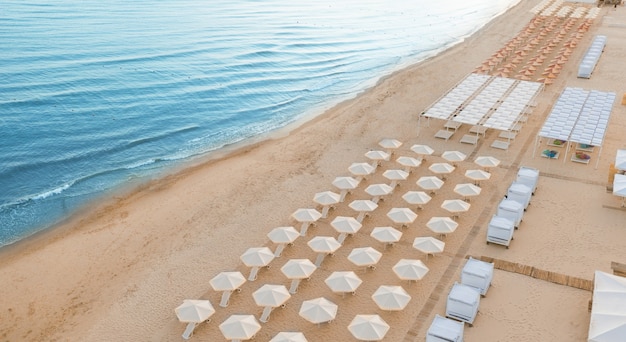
<point>416,197</point>
<point>402,216</point>
<point>363,207</point>
<point>323,245</point>
<point>345,184</point>
<point>422,150</point>
<point>394,176</point>
<point>431,183</point>
<point>326,199</point>
<point>477,176</point>
<point>391,298</point>
<point>378,190</point>
<point>408,162</point>
<point>343,282</point>
<point>377,157</point>
<point>255,258</point>
<point>318,310</point>
<point>428,245</point>
<point>442,225</point>
<point>296,270</point>
<point>306,217</point>
<point>282,236</point>
<point>289,336</point>
<point>360,170</point>
<point>365,257</point>
<point>410,269</point>
<point>345,225</point>
<point>442,169</point>
<point>390,144</point>
<point>227,282</point>
<point>269,297</point>
<point>386,235</point>
<point>240,327</point>
<point>368,327</point>
<point>455,206</point>
<point>467,190</point>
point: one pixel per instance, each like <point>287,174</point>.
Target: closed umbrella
<point>296,270</point>
<point>453,156</point>
<point>430,183</point>
<point>326,199</point>
<point>408,162</point>
<point>477,175</point>
<point>306,217</point>
<point>282,236</point>
<point>378,190</point>
<point>467,190</point>
<point>255,258</point>
<point>318,310</point>
<point>455,206</point>
<point>365,256</point>
<point>386,235</point>
<point>390,144</point>
<point>360,170</point>
<point>395,176</point>
<point>428,245</point>
<point>402,216</point>
<point>422,150</point>
<point>441,169</point>
<point>240,327</point>
<point>416,197</point>
<point>442,225</point>
<point>345,184</point>
<point>323,245</point>
<point>410,269</point>
<point>345,225</point>
<point>363,207</point>
<point>391,298</point>
<point>343,281</point>
<point>227,282</point>
<point>368,328</point>
<point>269,297</point>
<point>289,336</point>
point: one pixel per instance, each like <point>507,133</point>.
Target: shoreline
<point>139,256</point>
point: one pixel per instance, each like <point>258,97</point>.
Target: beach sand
<point>117,271</point>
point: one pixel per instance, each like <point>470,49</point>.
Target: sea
<point>98,95</point>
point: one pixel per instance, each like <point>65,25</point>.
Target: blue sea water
<point>97,94</point>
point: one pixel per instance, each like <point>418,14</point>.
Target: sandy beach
<point>116,272</point>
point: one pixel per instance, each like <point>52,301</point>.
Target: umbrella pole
<point>294,286</point>
<point>303,229</point>
<point>279,250</point>
<point>266,314</point>
<point>341,238</point>
<point>342,196</point>
<point>253,273</point>
<point>225,298</point>
<point>320,258</point>
<point>361,216</point>
<point>325,211</point>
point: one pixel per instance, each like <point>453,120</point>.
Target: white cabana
<point>462,303</point>
<point>478,274</point>
<point>608,311</point>
<point>511,210</point>
<point>500,231</point>
<point>528,176</point>
<point>520,193</point>
<point>445,330</point>
<point>619,187</point>
<point>578,117</point>
<point>620,160</point>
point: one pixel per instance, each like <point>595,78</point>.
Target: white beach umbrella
<point>431,183</point>
<point>269,297</point>
<point>442,225</point>
<point>408,162</point>
<point>467,190</point>
<point>363,207</point>
<point>323,245</point>
<point>326,199</point>
<point>227,282</point>
<point>255,258</point>
<point>365,256</point>
<point>416,197</point>
<point>422,150</point>
<point>486,161</point>
<point>386,235</point>
<point>289,336</point>
<point>343,282</point>
<point>441,169</point>
<point>318,310</point>
<point>368,328</point>
<point>390,144</point>
<point>306,217</point>
<point>619,187</point>
<point>378,190</point>
<point>428,245</point>
<point>391,298</point>
<point>345,184</point>
<point>455,206</point>
<point>240,327</point>
<point>345,225</point>
<point>282,236</point>
<point>377,156</point>
<point>477,175</point>
<point>194,311</point>
<point>395,175</point>
<point>402,216</point>
<point>360,170</point>
<point>296,270</point>
<point>453,156</point>
<point>410,269</point>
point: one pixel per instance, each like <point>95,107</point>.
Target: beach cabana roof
<point>620,160</point>
<point>608,313</point>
